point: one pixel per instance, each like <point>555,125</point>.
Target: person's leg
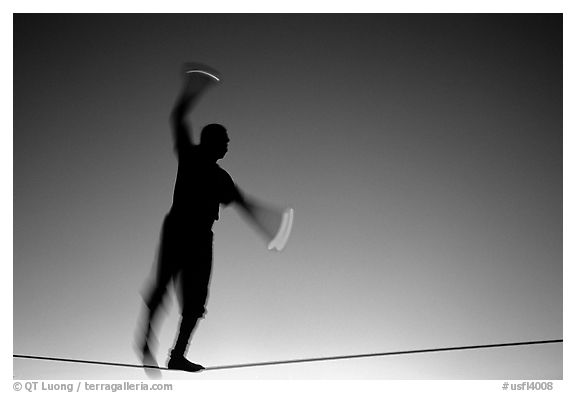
<point>193,291</point>
<point>146,342</point>
<point>187,326</point>
<point>153,299</point>
<point>178,359</point>
<point>152,304</point>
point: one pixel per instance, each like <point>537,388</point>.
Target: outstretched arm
<point>195,84</point>
<point>261,215</point>
<point>272,222</point>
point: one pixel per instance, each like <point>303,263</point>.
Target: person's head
<point>214,140</point>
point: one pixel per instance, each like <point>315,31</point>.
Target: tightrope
<point>305,360</point>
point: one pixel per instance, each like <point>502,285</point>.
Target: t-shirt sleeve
<point>228,191</point>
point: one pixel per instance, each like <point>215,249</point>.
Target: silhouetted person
<point>185,253</point>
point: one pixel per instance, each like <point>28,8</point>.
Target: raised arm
<point>195,84</point>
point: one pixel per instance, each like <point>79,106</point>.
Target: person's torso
<point>201,186</point>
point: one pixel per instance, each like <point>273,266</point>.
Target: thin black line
<point>306,360</point>
<point>367,355</point>
<point>88,362</point>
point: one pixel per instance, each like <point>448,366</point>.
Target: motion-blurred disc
<point>279,241</point>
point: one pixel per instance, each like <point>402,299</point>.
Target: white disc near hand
<point>279,241</point>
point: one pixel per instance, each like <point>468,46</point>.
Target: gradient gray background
<point>422,154</point>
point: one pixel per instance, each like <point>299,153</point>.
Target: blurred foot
<point>149,362</point>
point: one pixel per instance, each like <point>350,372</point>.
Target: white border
<point>422,6</point>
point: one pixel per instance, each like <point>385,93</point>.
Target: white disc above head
<point>205,73</point>
<point>279,241</point>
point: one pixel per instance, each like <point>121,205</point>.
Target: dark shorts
<point>185,258</point>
